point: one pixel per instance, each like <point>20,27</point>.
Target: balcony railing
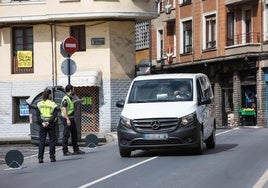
<point>245,38</point>
<point>231,2</point>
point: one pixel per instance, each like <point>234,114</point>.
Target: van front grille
<point>156,125</point>
<point>155,142</point>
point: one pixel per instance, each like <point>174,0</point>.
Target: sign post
<point>69,45</point>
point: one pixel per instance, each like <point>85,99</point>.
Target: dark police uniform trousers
<point>66,134</point>
<point>51,131</point>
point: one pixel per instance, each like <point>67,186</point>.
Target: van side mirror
<point>120,103</point>
<point>204,100</point>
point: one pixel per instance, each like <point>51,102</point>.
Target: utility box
<point>57,95</point>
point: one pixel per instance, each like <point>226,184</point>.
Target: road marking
<point>227,131</point>
<point>117,172</point>
<point>263,179</point>
<point>35,155</point>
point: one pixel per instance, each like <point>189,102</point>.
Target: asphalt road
<point>238,161</point>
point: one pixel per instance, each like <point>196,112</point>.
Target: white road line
<point>263,179</point>
<point>31,156</point>
<point>133,166</point>
<point>227,131</point>
<point>117,172</point>
<point>35,155</point>
<point>127,168</point>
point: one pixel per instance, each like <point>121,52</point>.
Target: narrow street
<point>238,161</point>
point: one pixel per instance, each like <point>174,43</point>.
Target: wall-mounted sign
<point>24,108</point>
<point>24,59</point>
<point>87,101</point>
<point>97,41</point>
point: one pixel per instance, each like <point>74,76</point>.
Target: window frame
<point>265,21</point>
<point>248,25</point>
<point>171,31</point>
<point>209,31</point>
<point>79,33</point>
<point>184,46</point>
<point>185,2</point>
<point>160,44</point>
<point>230,29</point>
<point>22,41</point>
<point>17,118</point>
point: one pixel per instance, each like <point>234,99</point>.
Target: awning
<point>82,78</point>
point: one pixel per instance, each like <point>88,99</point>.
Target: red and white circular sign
<point>70,45</point>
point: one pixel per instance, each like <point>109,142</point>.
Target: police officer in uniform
<point>67,117</point>
<point>47,119</point>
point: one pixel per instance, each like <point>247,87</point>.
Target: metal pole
<point>69,69</point>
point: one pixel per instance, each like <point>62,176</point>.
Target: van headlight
<point>188,120</point>
<point>126,122</point>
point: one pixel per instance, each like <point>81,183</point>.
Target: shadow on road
<point>150,153</point>
<point>220,148</point>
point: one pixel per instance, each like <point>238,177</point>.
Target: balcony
<point>233,2</point>
<point>242,43</point>
<point>245,38</point>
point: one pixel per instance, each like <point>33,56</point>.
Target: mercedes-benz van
<point>167,111</point>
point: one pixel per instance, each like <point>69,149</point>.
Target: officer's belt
<point>45,119</point>
<point>72,117</point>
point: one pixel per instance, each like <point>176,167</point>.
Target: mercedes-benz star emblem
<point>155,125</point>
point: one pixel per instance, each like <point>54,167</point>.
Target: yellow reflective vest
<point>46,108</point>
<point>70,106</point>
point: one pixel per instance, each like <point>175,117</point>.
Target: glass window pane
<point>18,33</point>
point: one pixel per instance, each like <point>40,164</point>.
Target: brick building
<point>225,39</point>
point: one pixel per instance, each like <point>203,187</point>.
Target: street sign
<point>63,52</point>
<point>14,158</point>
<point>70,45</point>
<point>68,67</point>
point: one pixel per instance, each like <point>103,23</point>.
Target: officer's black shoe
<point>67,153</point>
<point>78,152</point>
<point>40,160</point>
<point>52,160</point>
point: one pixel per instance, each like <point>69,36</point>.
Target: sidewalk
<point>107,137</point>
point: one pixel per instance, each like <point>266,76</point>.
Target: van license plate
<point>155,136</point>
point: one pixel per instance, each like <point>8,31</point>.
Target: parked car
<point>167,111</point>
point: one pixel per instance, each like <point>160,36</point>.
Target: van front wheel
<point>124,153</point>
<point>211,141</point>
<point>200,148</point>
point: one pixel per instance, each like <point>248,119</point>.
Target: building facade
<point>31,37</point>
<point>225,39</point>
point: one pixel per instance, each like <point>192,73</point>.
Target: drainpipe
<point>53,54</point>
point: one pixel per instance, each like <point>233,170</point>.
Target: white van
<point>167,111</point>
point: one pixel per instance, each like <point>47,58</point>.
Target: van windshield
<point>161,90</point>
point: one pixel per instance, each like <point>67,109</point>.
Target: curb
<point>106,138</point>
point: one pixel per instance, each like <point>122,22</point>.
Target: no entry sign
<point>70,45</point>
